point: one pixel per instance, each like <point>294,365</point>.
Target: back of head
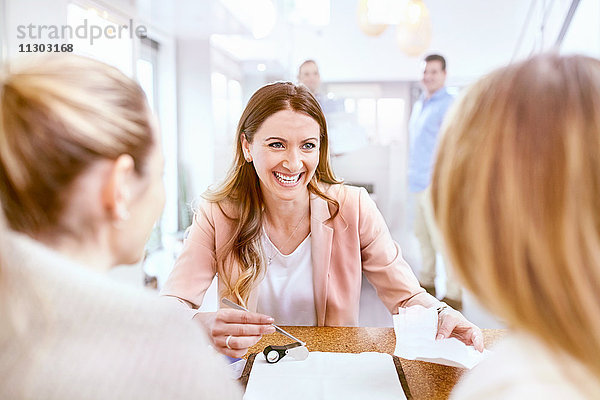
<point>516,192</point>
<point>57,116</point>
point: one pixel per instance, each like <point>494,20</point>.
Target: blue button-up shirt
<point>424,126</point>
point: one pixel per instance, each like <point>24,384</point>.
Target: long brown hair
<point>240,191</point>
<point>516,192</point>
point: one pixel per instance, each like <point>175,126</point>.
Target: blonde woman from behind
<point>81,187</point>
<point>516,193</point>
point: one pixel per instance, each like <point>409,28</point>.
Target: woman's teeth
<point>287,178</point>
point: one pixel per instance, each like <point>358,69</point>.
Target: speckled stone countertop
<point>425,380</point>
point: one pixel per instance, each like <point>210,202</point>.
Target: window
<point>117,51</point>
<point>380,108</point>
<point>390,119</point>
<point>227,106</point>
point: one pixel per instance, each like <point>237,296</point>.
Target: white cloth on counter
<point>416,329</point>
<point>326,376</point>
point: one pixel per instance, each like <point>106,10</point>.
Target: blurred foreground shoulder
<point>522,368</point>
<point>89,337</point>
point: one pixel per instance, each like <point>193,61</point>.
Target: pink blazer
<point>356,241</point>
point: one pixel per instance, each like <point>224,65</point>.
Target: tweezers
<point>278,329</point>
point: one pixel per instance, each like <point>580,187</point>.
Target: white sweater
<point>523,368</point>
<point>91,338</point>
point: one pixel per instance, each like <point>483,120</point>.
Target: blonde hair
<point>57,116</point>
<point>241,192</point>
<point>516,193</point>
<point>10,317</point>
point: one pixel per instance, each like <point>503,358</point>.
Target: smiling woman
<point>287,239</point>
<point>285,153</point>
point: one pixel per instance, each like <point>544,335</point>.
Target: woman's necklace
<point>275,251</point>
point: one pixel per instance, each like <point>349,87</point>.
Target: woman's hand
<point>451,323</point>
<point>233,331</point>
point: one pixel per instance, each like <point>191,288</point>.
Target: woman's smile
<point>285,154</point>
<point>287,180</point>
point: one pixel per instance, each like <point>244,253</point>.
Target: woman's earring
<point>122,216</point>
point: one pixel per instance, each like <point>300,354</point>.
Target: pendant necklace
<point>274,253</point>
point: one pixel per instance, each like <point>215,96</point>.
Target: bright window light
<point>350,106</point>
<point>235,103</point>
<point>260,16</point>
<point>145,76</point>
<point>264,18</point>
<point>114,51</point>
<point>311,12</point>
<point>390,119</point>
<point>366,112</point>
<point>219,102</point>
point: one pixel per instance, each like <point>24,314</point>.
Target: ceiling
<point>475,36</point>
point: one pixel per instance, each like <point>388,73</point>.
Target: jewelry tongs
<point>278,329</point>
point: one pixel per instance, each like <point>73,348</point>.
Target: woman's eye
<point>309,146</point>
<point>276,145</point>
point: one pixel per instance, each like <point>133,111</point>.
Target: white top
<point>523,368</point>
<point>286,293</point>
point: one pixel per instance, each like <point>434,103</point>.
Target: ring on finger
<point>227,342</point>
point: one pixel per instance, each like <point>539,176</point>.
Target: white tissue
<point>416,329</point>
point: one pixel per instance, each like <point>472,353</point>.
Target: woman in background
<point>81,187</point>
<point>287,240</point>
<point>516,193</point>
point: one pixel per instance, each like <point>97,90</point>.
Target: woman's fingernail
<point>271,320</point>
<point>439,336</point>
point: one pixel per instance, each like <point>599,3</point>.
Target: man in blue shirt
<point>424,128</point>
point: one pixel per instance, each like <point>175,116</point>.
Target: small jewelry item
<point>275,353</point>
<point>227,342</point>
<point>274,253</point>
